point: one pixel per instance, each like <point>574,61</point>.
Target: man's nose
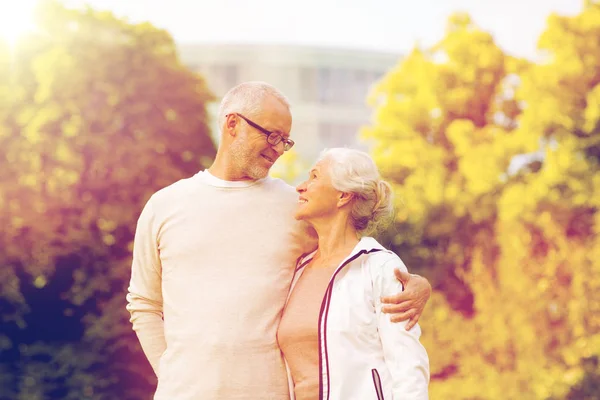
<point>279,148</point>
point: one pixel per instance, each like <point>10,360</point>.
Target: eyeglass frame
<point>287,143</point>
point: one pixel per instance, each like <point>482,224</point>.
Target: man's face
<point>252,155</point>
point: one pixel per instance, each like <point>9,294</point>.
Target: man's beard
<point>245,162</point>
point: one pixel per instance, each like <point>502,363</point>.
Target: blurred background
<point>484,115</point>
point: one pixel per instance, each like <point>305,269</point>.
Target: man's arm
<point>144,298</point>
<point>408,304</point>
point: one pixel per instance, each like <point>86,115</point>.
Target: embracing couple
<point>243,287</point>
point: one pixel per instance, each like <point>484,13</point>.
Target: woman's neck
<point>337,238</point>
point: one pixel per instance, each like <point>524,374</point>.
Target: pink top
<point>298,330</point>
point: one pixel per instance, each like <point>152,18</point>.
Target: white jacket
<point>363,355</point>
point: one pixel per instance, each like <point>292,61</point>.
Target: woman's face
<point>318,198</point>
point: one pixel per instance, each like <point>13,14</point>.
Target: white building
<point>326,87</point>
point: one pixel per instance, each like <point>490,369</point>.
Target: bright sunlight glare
<point>16,19</point>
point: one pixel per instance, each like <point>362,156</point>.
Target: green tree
<point>496,164</point>
<point>552,230</point>
<point>96,114</point>
<point>442,118</point>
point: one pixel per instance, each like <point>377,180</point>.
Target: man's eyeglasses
<point>273,138</point>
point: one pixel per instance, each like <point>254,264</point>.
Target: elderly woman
<point>337,343</point>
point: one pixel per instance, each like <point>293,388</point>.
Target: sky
<point>380,25</point>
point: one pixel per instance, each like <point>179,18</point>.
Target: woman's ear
<point>344,198</point>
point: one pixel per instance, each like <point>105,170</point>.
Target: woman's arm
<point>405,356</point>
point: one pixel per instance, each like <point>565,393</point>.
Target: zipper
<point>324,388</point>
<point>377,383</point>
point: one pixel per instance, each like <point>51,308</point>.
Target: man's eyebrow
<point>282,134</point>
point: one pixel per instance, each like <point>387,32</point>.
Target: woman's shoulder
<point>383,260</point>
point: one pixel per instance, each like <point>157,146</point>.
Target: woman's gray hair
<point>247,98</point>
<point>353,171</point>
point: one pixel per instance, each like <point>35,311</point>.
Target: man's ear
<point>231,122</point>
<point>344,198</point>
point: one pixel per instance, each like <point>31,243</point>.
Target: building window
<point>335,134</point>
<point>344,86</point>
<point>308,84</point>
<point>324,85</point>
<point>222,77</point>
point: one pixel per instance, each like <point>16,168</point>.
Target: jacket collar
<point>365,244</point>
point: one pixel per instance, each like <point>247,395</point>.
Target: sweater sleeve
<point>144,298</point>
<point>405,356</point>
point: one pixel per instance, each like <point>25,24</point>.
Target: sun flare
<point>16,19</point>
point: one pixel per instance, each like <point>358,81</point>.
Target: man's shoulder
<point>173,191</point>
<point>280,187</point>
<point>279,184</point>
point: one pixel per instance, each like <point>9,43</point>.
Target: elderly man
<point>213,260</point>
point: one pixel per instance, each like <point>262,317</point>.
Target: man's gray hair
<point>247,98</point>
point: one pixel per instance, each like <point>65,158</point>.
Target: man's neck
<point>223,170</point>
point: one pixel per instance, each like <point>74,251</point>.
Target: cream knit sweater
<point>215,261</point>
